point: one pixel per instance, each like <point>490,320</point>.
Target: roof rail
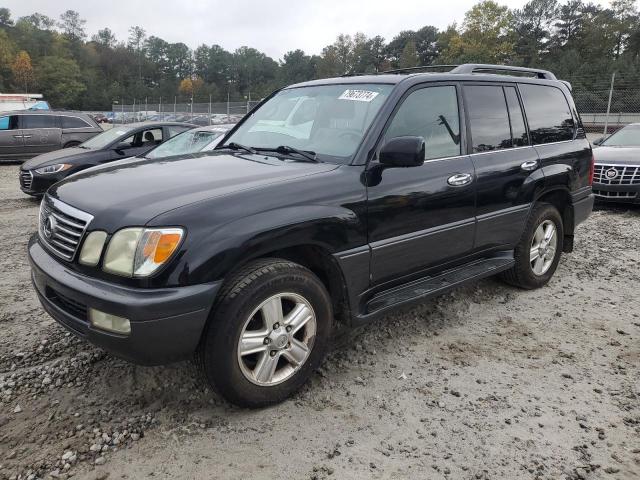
<point>417,69</point>
<point>469,68</point>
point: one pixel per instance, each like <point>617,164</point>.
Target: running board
<point>426,287</point>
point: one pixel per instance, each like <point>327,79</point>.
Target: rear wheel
<point>269,331</point>
<point>538,252</point>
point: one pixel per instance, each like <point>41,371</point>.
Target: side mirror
<point>403,152</point>
<point>598,141</point>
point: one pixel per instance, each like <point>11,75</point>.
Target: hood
<point>57,156</point>
<point>617,155</point>
<point>134,192</point>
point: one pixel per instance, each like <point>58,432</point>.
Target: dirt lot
<point>486,382</point>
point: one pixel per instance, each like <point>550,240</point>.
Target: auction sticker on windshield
<point>358,95</point>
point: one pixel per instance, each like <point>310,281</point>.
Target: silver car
<point>27,133</point>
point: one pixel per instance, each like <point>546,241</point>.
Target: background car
<point>202,139</point>
<point>38,174</point>
<point>617,166</point>
<point>26,133</point>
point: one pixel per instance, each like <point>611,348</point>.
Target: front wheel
<point>268,333</point>
<point>71,144</point>
<point>538,252</point>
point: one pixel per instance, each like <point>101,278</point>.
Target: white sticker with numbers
<point>358,95</point>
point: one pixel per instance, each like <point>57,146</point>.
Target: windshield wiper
<point>238,146</point>
<point>287,150</point>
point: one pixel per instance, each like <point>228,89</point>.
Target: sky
<point>272,26</point>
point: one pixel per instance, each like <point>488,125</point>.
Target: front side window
<point>488,117</point>
<point>187,142</point>
<point>9,122</point>
<point>548,113</point>
<point>74,122</point>
<point>39,121</point>
<point>329,120</point>
<point>176,129</point>
<point>103,139</point>
<point>430,113</point>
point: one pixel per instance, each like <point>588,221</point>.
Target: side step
<point>426,287</point>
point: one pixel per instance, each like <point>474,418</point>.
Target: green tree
<point>533,24</point>
<point>409,57</point>
<point>60,80</point>
<point>296,67</point>
<point>105,38</point>
<point>5,17</point>
<point>72,25</point>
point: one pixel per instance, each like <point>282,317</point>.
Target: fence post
<point>209,109</point>
<point>175,99</point>
<point>122,108</point>
<point>228,118</point>
<point>160,108</point>
<point>606,120</point>
<point>146,108</point>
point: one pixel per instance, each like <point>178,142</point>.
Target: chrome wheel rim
<point>543,247</point>
<point>277,338</point>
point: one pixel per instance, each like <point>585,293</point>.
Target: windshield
<point>329,120</point>
<point>105,138</point>
<point>187,142</point>
<point>628,136</point>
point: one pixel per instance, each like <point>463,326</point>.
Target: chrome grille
<point>26,178</point>
<point>617,174</point>
<point>61,227</point>
<point>602,193</point>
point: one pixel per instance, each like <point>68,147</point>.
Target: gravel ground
<point>487,382</point>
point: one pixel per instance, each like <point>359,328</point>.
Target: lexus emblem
<point>611,173</point>
<point>49,226</point>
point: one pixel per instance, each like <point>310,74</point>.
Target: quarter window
<point>548,113</point>
<point>488,117</point>
<point>430,113</point>
<point>39,121</point>
<point>73,122</point>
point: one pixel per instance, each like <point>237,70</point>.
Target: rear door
<point>506,164</point>
<point>10,136</point>
<point>41,133</point>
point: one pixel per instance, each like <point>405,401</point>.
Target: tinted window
<point>73,122</point>
<point>175,130</point>
<point>39,121</point>
<point>488,117</point>
<point>548,113</point>
<point>8,123</point>
<point>518,129</point>
<point>430,113</point>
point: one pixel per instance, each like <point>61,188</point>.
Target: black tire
<point>217,355</point>
<point>522,274</point>
<point>71,144</point>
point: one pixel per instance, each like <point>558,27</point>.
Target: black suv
<point>332,203</point>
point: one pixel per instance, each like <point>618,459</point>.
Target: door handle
<point>18,136</point>
<point>529,165</point>
<point>27,136</point>
<point>460,179</point>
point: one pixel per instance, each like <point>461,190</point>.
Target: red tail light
<point>592,169</point>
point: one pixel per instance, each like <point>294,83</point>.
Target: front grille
<point>602,193</point>
<point>61,227</point>
<point>617,174</point>
<point>26,178</point>
<point>68,304</point>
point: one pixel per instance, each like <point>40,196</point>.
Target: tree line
<point>577,40</point>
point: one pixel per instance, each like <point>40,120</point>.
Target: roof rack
<point>470,68</point>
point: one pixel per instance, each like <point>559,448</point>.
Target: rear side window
<point>518,130</point>
<point>548,114</point>
<point>488,118</point>
<point>430,113</point>
<point>73,122</point>
<point>39,121</point>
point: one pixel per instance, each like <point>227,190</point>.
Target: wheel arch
<point>560,198</point>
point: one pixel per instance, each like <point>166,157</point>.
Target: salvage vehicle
<point>617,166</point>
<point>26,133</point>
<point>39,173</point>
<point>408,184</point>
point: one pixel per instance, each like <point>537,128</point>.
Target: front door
<point>10,136</point>
<point>422,217</point>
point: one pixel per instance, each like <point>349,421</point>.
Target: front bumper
<point>166,324</point>
<point>33,183</point>
<point>617,193</point>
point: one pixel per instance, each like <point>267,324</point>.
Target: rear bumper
<point>617,193</point>
<point>166,324</point>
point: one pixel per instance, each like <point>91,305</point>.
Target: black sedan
<point>617,166</point>
<point>39,173</point>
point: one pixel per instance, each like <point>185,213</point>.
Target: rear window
<point>39,121</point>
<point>548,114</point>
<point>73,122</point>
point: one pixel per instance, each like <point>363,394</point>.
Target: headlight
<point>138,252</point>
<point>58,167</point>
<point>92,248</point>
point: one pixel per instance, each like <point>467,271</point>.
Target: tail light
<point>592,169</point>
